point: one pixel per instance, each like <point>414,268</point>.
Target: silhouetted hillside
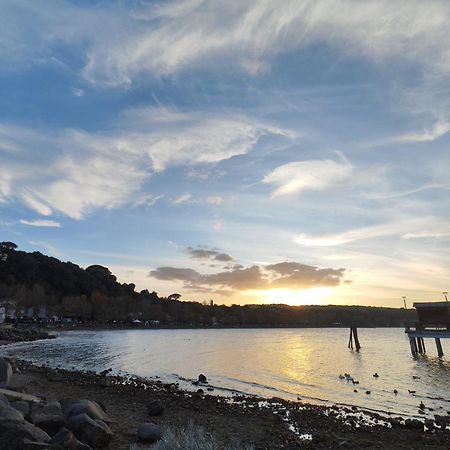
<point>34,280</point>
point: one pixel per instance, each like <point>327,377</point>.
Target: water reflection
<point>269,362</point>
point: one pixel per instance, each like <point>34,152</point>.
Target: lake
<point>286,363</point>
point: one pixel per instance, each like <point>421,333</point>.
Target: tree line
<point>34,280</point>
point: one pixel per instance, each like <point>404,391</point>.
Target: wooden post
<point>423,345</point>
<point>419,344</point>
<point>350,339</point>
<point>411,344</point>
<point>439,347</point>
<point>355,335</point>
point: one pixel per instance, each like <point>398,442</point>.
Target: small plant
<point>189,437</point>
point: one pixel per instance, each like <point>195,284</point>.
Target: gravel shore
<point>266,424</point>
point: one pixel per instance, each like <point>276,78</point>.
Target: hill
<point>36,285</point>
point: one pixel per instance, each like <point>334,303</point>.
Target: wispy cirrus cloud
<point>161,39</point>
<point>41,223</point>
<point>404,229</point>
<point>71,176</point>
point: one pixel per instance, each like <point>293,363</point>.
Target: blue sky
<point>241,151</point>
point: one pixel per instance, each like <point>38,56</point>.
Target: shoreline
<point>273,424</point>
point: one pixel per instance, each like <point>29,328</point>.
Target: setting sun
<point>313,296</point>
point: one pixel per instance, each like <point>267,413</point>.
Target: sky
<point>245,152</point>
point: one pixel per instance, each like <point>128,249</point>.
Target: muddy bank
<point>267,424</point>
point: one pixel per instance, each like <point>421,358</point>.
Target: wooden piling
<point>354,337</point>
<point>412,345</point>
<point>423,345</point>
<point>419,344</point>
<point>439,347</point>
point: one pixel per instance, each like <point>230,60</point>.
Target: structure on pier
<point>433,322</point>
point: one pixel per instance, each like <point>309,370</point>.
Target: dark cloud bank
<point>281,275</point>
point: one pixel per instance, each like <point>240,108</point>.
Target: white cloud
<point>438,130</point>
<point>313,175</point>
<point>214,200</point>
<point>183,198</point>
<point>78,172</point>
<point>41,223</point>
<point>164,38</point>
<point>405,229</point>
<point>175,35</point>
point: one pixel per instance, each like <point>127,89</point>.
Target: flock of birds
<point>349,378</point>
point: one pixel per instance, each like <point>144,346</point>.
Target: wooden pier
<point>433,323</point>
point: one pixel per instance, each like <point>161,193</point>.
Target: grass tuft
<point>189,437</point>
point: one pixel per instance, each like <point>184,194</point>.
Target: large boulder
<point>22,406</point>
<point>6,372</point>
<point>66,440</point>
<point>93,432</point>
<point>149,433</point>
<point>8,413</point>
<point>3,400</point>
<point>47,416</point>
<point>92,409</point>
<point>14,432</point>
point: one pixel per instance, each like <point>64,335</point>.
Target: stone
<point>66,440</point>
<point>47,416</point>
<point>105,382</point>
<point>155,408</point>
<point>92,432</point>
<point>14,432</point>
<point>8,413</point>
<point>202,378</point>
<point>3,400</point>
<point>6,372</point>
<point>149,432</point>
<point>91,408</point>
<point>414,423</point>
<point>14,395</point>
<point>22,406</point>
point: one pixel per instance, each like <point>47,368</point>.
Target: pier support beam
<point>439,347</point>
<point>354,336</point>
<point>412,344</point>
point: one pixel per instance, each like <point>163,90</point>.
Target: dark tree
<point>7,245</point>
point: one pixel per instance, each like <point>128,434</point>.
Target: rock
<point>14,395</point>
<point>395,421</point>
<point>200,391</point>
<point>14,432</point>
<point>414,423</point>
<point>105,382</point>
<point>6,372</point>
<point>155,408</point>
<point>92,409</point>
<point>429,423</point>
<point>8,413</point>
<point>30,445</point>
<point>149,432</point>
<point>441,421</point>
<point>66,440</point>
<point>3,400</point>
<point>47,416</point>
<point>202,378</point>
<point>22,406</point>
<point>92,432</point>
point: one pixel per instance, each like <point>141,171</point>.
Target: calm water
<point>267,362</point>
